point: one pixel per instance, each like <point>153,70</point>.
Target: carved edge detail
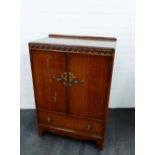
<point>72,49</point>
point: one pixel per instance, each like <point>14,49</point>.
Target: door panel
<point>49,93</point>
<point>88,98</point>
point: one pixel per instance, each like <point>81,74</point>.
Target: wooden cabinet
<point>72,78</point>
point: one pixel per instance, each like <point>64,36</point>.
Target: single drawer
<point>70,122</point>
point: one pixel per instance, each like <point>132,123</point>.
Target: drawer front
<point>69,122</point>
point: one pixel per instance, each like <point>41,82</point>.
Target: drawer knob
<point>49,119</point>
<point>89,126</point>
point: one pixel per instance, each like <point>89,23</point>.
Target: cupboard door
<point>50,94</point>
<point>89,97</point>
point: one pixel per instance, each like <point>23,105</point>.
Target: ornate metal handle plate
<point>62,78</point>
<point>68,79</point>
<point>72,80</point>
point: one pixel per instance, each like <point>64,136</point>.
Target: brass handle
<point>49,119</point>
<point>73,80</point>
<point>89,127</point>
<point>58,78</point>
<point>68,79</point>
<point>77,81</point>
<point>62,78</point>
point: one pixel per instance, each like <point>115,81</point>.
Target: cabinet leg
<point>100,144</point>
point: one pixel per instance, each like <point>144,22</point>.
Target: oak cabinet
<point>72,77</point>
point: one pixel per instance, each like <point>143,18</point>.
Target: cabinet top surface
<point>101,42</point>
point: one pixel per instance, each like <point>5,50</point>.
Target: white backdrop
<point>84,17</point>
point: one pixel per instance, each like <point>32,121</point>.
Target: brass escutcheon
<point>68,79</point>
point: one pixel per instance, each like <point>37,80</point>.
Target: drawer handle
<point>89,126</point>
<point>49,119</point>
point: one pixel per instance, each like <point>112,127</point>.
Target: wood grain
<point>88,99</point>
<point>75,109</point>
<point>49,93</point>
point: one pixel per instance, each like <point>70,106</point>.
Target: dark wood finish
<point>68,122</point>
<point>72,88</point>
<point>49,94</point>
<point>82,37</point>
<point>72,49</point>
<point>94,70</point>
<point>72,133</point>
